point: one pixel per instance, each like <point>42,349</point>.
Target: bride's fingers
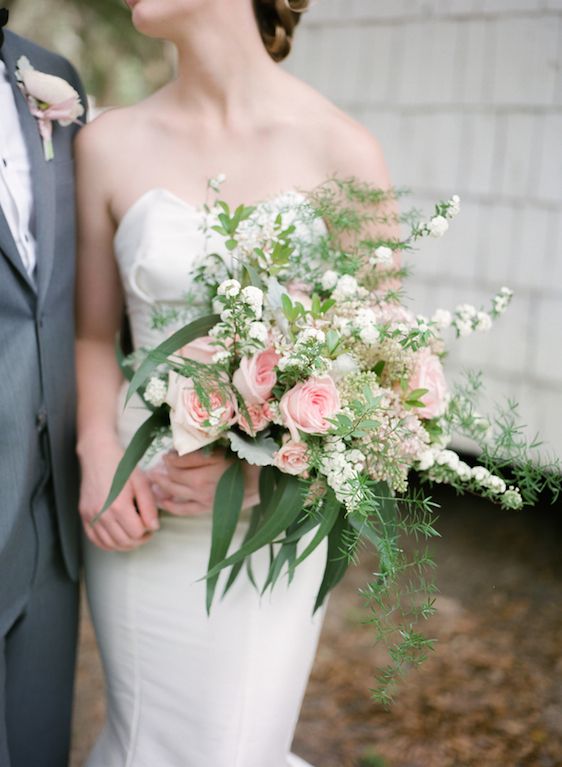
<point>131,523</point>
<point>192,460</point>
<point>171,489</point>
<point>145,501</point>
<point>184,508</point>
<point>121,541</point>
<point>94,538</point>
<point>99,535</point>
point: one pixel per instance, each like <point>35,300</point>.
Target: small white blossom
<point>483,321</point>
<point>252,295</point>
<point>496,484</point>
<point>448,458</point>
<point>258,331</point>
<point>426,460</point>
<point>511,499</point>
<point>480,474</point>
<point>221,355</point>
<point>346,287</point>
<point>310,334</point>
<point>155,392</point>
<point>464,327</point>
<point>454,206</point>
<point>229,288</point>
<point>343,365</point>
<point>438,226</point>
<point>463,471</point>
<point>329,280</point>
<point>369,335</point>
<point>442,318</point>
<point>384,255</point>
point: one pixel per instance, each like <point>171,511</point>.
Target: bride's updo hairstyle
<point>277,20</point>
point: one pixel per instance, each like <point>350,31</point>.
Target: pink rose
<point>193,425</point>
<point>260,416</point>
<point>200,350</point>
<point>255,378</point>
<point>308,405</point>
<point>292,458</point>
<point>428,374</point>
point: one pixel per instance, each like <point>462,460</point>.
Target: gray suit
<point>39,525</point>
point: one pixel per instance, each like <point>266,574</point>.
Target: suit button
<point>41,420</point>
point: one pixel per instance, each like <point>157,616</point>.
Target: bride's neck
<point>222,67</point>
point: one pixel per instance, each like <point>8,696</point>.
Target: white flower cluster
<point>341,467</point>
<point>345,364</point>
<point>155,392</point>
<point>435,461</point>
<point>365,323</point>
<point>346,288</point>
<point>439,224</point>
<point>240,312</point>
<point>383,256</point>
<point>502,300</point>
<point>253,297</point>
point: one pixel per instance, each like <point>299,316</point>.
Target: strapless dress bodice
<point>159,244</point>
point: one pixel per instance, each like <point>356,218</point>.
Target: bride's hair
<point>277,20</point>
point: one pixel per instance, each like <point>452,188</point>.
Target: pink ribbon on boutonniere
<point>50,99</point>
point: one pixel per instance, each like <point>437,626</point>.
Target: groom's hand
<point>185,485</point>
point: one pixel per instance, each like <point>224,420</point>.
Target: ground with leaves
<point>490,695</point>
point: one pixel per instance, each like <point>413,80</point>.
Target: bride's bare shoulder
<point>109,130</point>
<point>347,148</point>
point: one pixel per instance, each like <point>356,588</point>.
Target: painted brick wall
<point>466,96</point>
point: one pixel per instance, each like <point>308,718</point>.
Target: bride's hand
<point>186,484</point>
<point>132,517</point>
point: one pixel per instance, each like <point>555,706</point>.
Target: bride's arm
<point>99,307</point>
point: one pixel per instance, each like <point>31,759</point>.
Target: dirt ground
<point>489,696</point>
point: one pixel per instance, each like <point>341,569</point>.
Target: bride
<point>184,689</point>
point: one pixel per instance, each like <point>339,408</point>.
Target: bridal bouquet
<point>308,363</point>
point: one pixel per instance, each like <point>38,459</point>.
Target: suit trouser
<point>38,649</point>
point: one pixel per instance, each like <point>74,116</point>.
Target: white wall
<point>466,97</point>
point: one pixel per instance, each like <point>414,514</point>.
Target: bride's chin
<point>159,18</point>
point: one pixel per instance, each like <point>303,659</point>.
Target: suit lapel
<point>42,177</point>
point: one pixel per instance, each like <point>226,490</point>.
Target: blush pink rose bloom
<point>193,426</point>
<point>428,374</point>
<point>292,458</point>
<point>255,378</point>
<point>308,405</point>
<point>260,417</point>
<point>200,350</point>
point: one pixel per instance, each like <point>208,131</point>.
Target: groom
<point>39,534</point>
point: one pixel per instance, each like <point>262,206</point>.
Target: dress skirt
<point>190,690</point>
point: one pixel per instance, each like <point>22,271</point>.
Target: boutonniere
<point>50,99</point>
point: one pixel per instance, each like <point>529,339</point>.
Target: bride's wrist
<point>94,442</point>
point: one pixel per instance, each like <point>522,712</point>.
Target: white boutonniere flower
<point>50,99</point>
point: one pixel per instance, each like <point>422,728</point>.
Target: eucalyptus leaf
<point>257,450</point>
<point>283,508</point>
<point>226,511</point>
<point>137,447</point>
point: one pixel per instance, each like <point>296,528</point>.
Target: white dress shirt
<point>16,192</point>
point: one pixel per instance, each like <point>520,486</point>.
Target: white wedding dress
<point>185,689</point>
